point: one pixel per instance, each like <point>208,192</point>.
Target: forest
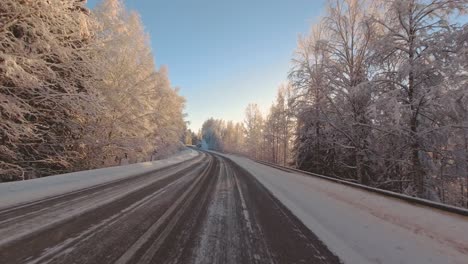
<point>79,89</point>
<point>377,94</point>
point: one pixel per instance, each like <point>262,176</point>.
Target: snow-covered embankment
<point>13,193</point>
<point>363,227</point>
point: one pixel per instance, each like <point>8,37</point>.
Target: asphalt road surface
<point>205,210</point>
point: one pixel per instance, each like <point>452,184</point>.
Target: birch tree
<point>253,129</point>
<point>278,127</point>
<point>349,36</point>
<point>410,30</point>
<point>309,81</point>
<point>331,79</point>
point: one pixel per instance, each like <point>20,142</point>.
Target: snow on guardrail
<point>432,204</point>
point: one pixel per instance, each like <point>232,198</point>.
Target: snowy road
<point>213,208</point>
<point>203,210</point>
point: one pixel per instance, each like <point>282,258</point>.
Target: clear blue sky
<point>225,54</point>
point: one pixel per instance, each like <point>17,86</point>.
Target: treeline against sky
<point>378,95</point>
<point>79,89</point>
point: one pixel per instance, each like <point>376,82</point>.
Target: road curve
<point>205,210</point>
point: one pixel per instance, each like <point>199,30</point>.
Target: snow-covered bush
<point>45,80</point>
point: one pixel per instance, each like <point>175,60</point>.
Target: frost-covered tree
<point>253,123</point>
<point>141,113</point>
<point>80,90</point>
<point>313,143</point>
<point>349,36</point>
<point>334,97</point>
<point>220,135</point>
<point>412,53</point>
<point>278,126</point>
<point>46,85</point>
<point>269,139</point>
<point>212,133</point>
<point>234,137</point>
<point>379,95</point>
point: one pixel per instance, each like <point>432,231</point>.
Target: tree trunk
<point>418,173</point>
<point>465,138</point>
<point>285,153</point>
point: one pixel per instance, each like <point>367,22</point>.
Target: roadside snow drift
<point>363,227</point>
<point>13,193</point>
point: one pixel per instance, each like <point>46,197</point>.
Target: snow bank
<point>363,227</point>
<point>13,193</point>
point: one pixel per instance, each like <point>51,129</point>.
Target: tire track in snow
<point>65,247</point>
<point>137,247</point>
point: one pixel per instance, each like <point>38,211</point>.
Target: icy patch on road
<point>363,227</point>
<point>14,193</point>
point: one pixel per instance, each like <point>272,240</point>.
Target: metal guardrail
<point>410,199</point>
